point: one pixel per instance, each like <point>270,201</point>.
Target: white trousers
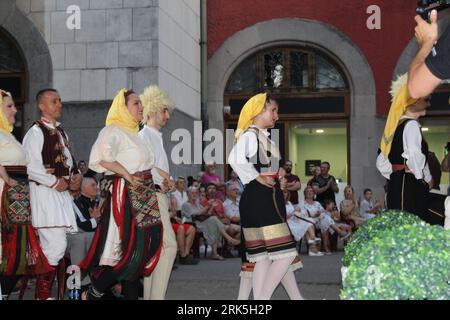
<point>53,243</point>
<point>155,286</point>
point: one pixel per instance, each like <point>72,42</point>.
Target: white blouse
<point>311,208</point>
<point>412,152</point>
<point>11,151</point>
<point>114,144</point>
<point>245,148</point>
<point>180,198</point>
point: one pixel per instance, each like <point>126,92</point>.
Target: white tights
<point>267,275</point>
<point>289,283</point>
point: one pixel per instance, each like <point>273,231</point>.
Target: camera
<point>424,7</point>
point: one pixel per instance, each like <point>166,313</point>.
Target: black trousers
<point>407,193</point>
<point>8,283</point>
<point>107,279</point>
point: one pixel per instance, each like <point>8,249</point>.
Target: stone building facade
<point>119,43</point>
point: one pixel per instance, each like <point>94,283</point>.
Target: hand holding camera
<point>425,7</point>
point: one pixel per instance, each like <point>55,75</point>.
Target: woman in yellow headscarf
<point>270,248</point>
<point>127,242</point>
<point>20,252</point>
<point>403,155</point>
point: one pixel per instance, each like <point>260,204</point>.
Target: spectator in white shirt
<point>368,209</point>
<point>179,196</point>
<point>231,204</point>
<point>234,179</point>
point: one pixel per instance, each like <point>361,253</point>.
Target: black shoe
<point>174,267</point>
<point>188,260</point>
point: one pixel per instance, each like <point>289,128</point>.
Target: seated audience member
<point>322,220</point>
<point>368,209</point>
<point>234,179</point>
<point>218,210</point>
<point>178,196</point>
<point>231,204</point>
<point>301,226</point>
<point>206,222</point>
<point>87,216</point>
<point>210,176</point>
<point>185,234</point>
<point>332,211</point>
<point>349,208</point>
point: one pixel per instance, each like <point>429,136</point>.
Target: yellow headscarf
<point>4,123</point>
<point>119,115</point>
<point>251,109</point>
<point>400,101</point>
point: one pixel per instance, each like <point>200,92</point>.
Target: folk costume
<point>128,240</point>
<point>265,232</point>
<point>155,286</point>
<point>52,213</point>
<point>20,252</point>
<point>403,159</point>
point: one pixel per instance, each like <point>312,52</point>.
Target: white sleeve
<point>384,166</point>
<point>104,149</point>
<point>246,147</point>
<point>93,223</point>
<point>427,174</point>
<point>33,143</point>
<point>228,210</point>
<point>412,146</point>
<point>364,208</point>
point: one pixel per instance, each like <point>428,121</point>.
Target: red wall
<point>382,48</point>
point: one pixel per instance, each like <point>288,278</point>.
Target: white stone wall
<point>179,53</point>
<point>122,43</point>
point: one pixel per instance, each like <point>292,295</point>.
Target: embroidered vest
<point>53,155</point>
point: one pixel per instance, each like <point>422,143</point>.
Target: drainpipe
<point>203,70</point>
<point>204,64</point>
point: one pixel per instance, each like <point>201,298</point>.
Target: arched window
<point>13,76</point>
<point>307,81</point>
<point>313,94</point>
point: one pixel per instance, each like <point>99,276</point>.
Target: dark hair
<point>326,202</point>
<point>5,94</point>
<point>127,94</point>
<point>367,190</point>
<point>326,162</point>
<point>308,187</point>
<point>41,93</point>
<point>190,180</point>
<point>286,161</point>
<point>269,99</point>
<point>211,184</point>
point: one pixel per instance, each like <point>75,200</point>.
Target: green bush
<point>409,262</point>
<point>387,220</point>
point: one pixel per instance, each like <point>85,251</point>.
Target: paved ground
<point>319,279</point>
<point>218,280</point>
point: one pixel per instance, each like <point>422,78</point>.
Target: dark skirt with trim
<point>407,193</point>
<point>141,232</point>
<point>263,221</point>
<point>21,251</point>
